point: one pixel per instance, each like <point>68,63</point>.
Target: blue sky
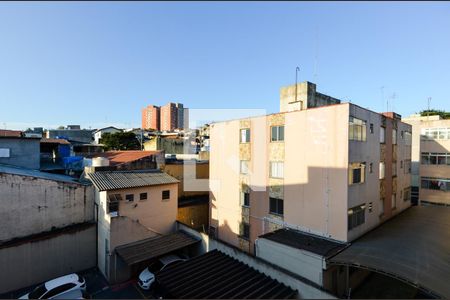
<point>100,63</point>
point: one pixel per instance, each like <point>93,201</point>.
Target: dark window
<point>246,200</point>
<point>276,206</point>
<point>38,292</point>
<point>245,230</point>
<point>59,289</point>
<point>166,194</point>
<point>356,216</point>
<point>277,133</point>
<point>129,197</point>
<point>143,196</point>
<point>113,203</point>
<point>371,128</point>
<point>371,168</point>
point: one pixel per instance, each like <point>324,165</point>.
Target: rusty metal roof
<point>154,247</point>
<point>114,180</point>
<point>215,275</point>
<point>126,156</point>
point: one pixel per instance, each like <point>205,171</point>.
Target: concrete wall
<point>39,205</point>
<point>36,261</point>
<point>305,290</point>
<point>194,215</point>
<point>23,152</point>
<point>176,170</point>
<point>303,263</point>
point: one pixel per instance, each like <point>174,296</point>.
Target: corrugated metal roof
<point>413,246</point>
<point>301,240</point>
<point>154,247</point>
<point>215,275</point>
<point>113,180</point>
<point>35,173</point>
<point>126,156</point>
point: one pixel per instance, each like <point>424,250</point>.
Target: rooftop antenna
<point>296,77</point>
<point>393,96</point>
<point>382,96</point>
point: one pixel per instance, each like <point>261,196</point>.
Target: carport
<point>138,255</point>
<point>413,247</point>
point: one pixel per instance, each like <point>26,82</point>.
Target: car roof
<point>61,280</point>
<point>73,294</point>
<point>169,258</point>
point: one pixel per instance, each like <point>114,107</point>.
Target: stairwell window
<point>245,199</point>
<point>356,216</point>
<point>276,169</point>
<point>356,173</point>
<point>382,170</point>
<point>245,135</point>
<point>382,135</point>
<point>357,129</point>
<point>244,167</point>
<point>394,137</point>
<point>277,133</point>
<point>244,230</point>
<point>276,206</point>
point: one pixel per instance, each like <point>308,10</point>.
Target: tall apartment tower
<point>430,159</point>
<point>169,117</point>
<point>151,117</point>
<point>336,171</point>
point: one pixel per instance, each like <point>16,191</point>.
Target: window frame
<point>357,129</point>
<point>141,196</point>
<point>247,136</point>
<point>241,168</point>
<point>279,167</point>
<point>165,195</point>
<point>129,195</point>
<point>354,166</point>
<point>356,216</point>
<point>278,132</point>
<point>279,209</point>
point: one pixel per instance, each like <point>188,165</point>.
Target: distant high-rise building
<point>166,118</point>
<point>151,117</point>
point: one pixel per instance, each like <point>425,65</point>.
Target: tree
<point>120,141</point>
<point>433,112</point>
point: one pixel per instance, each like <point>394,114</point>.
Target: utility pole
<point>296,76</point>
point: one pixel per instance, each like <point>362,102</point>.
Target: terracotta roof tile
<point>121,157</point>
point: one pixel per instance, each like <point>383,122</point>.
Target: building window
<point>245,135</point>
<point>244,167</point>
<point>401,164</point>
<point>407,194</point>
<point>5,152</point>
<point>166,195</point>
<point>371,128</point>
<point>393,200</point>
<point>382,170</point>
<point>356,129</point>
<point>394,136</point>
<point>428,158</point>
<point>407,169</point>
<point>113,203</point>
<point>276,169</point>
<point>382,135</point>
<point>356,216</point>
<point>129,197</point>
<point>244,230</point>
<point>276,206</point>
<point>245,199</point>
<point>439,184</point>
<point>356,173</point>
<point>394,169</point>
<point>435,134</point>
<point>143,196</point>
<point>370,206</point>
<point>277,133</point>
<point>371,168</point>
<point>408,138</point>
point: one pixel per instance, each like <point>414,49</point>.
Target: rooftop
<point>35,173</point>
<point>54,141</point>
<point>154,247</point>
<point>121,157</point>
<point>10,133</point>
<point>215,275</point>
<point>304,241</point>
<point>113,180</point>
<point>414,246</point>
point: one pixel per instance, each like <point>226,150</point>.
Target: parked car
<point>147,276</point>
<point>57,286</point>
<point>73,294</point>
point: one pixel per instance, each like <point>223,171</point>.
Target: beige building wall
<point>316,152</point>
<point>426,145</point>
<point>176,170</point>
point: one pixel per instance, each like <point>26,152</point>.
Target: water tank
<point>100,162</point>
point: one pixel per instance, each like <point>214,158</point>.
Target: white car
<point>57,286</point>
<point>73,294</point>
<point>147,277</point>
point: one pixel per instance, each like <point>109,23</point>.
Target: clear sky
<point>97,64</point>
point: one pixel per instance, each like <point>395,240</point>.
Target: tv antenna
<point>393,97</point>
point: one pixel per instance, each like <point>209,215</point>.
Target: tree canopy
<point>120,141</point>
<point>433,112</point>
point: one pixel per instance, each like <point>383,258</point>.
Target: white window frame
<point>277,169</point>
<point>243,166</point>
<point>244,135</point>
<point>276,137</point>
<point>382,169</point>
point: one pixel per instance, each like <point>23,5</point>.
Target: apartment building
<point>151,117</point>
<point>166,118</point>
<point>334,170</point>
<point>430,159</point>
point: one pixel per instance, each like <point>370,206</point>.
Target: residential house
<point>98,133</point>
<point>16,150</point>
